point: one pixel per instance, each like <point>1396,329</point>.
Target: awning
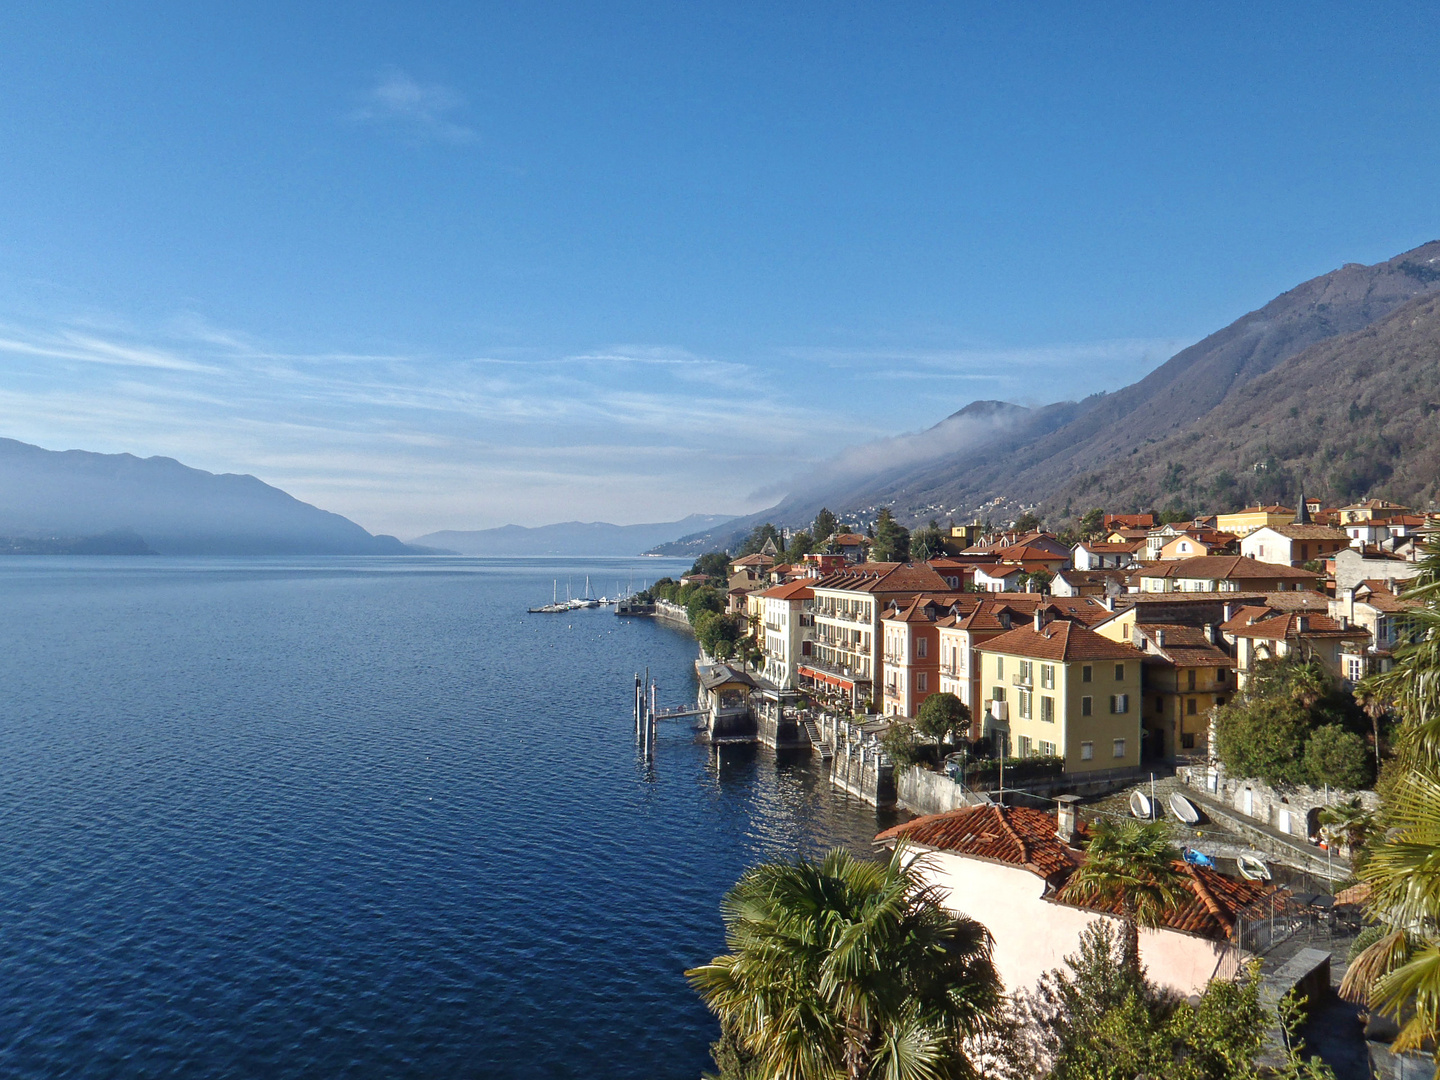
<point>826,677</point>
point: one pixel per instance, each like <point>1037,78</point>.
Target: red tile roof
<point>1218,902</point>
<point>1015,835</point>
<point>1272,627</point>
<point>794,590</point>
<point>1021,837</point>
<point>884,578</point>
<point>1229,568</point>
<point>1060,640</point>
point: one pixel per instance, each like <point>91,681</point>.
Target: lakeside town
<point>1019,689</point>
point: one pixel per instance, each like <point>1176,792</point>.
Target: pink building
<point>1004,867</point>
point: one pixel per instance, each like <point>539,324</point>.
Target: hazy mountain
<point>569,537</point>
<point>175,509</point>
<point>990,451</point>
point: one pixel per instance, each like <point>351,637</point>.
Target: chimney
<point>1302,624</point>
<point>1039,618</point>
<point>1159,639</point>
<point>1344,622</point>
<point>1066,820</point>
<point>1228,612</point>
<point>1349,604</point>
<point>1212,632</point>
<point>1109,602</point>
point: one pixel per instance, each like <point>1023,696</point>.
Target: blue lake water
<point>361,818</point>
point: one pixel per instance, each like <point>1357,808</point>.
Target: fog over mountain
<point>174,509</point>
<point>569,537</point>
<point>994,450</point>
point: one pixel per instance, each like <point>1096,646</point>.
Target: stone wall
<point>783,732</point>
<point>862,771</point>
<point>924,792</point>
<point>1291,811</point>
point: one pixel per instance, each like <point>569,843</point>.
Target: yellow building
<point>1244,522</point>
<point>1059,689</point>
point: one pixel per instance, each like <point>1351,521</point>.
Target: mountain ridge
<point>176,509</point>
<point>1043,451</point>
<point>573,538</point>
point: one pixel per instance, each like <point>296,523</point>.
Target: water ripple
<point>359,818</point>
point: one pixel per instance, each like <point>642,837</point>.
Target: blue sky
<point>451,266</point>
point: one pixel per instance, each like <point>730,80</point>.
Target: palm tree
<point>1346,824</point>
<point>849,968</point>
<point>1400,973</point>
<point>1130,865</point>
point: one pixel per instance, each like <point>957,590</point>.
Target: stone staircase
<point>813,731</point>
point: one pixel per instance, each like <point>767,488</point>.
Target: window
<point>1047,676</point>
<point>922,683</point>
<point>1190,707</point>
<point>1047,709</point>
<point>1187,741</point>
<point>1024,742</point>
<point>1189,678</point>
<point>1085,673</point>
<point>1119,672</point>
<point>1026,674</point>
<point>920,648</point>
<point>999,667</point>
<point>1047,749</point>
<point>1219,701</point>
<point>1086,706</point>
<point>1119,704</point>
<point>997,693</point>
<point>1087,749</point>
<point>1119,748</point>
<point>1025,704</point>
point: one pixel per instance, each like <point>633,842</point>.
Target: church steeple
<point>1302,514</point>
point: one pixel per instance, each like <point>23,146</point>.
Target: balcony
<point>1027,681</point>
<point>952,672</point>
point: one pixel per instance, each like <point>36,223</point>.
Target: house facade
<point>912,655</point>
<point>1006,867</point>
<point>1225,573</point>
<point>788,630</point>
<point>1294,544</point>
<point>1243,522</point>
<point>1056,688</point>
<point>847,659</point>
<point>1261,632</point>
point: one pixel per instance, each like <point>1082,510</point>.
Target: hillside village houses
<point>1101,655</point>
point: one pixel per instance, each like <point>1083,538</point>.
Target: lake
<point>362,818</point>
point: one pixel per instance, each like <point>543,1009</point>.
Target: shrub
<point>1264,739</point>
<point>1339,758</point>
<point>901,744</point>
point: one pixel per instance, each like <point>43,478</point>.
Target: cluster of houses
<point>1103,653</point>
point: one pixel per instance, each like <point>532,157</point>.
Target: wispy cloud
<point>414,110</point>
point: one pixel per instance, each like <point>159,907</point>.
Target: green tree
<point>715,564</point>
<point>801,544</point>
<point>1028,522</point>
<point>892,540</point>
<point>1095,1020</point>
<point>1092,524</point>
<point>1130,865</point>
<point>942,716</point>
<point>825,526</point>
<point>1263,738</point>
<point>756,540</point>
<point>927,543</point>
<point>1337,757</point>
<point>849,968</point>
<point>1038,581</point>
<point>900,743</point>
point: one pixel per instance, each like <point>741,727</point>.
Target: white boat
<point>1252,869</point>
<point>1184,809</point>
<point>1141,806</point>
